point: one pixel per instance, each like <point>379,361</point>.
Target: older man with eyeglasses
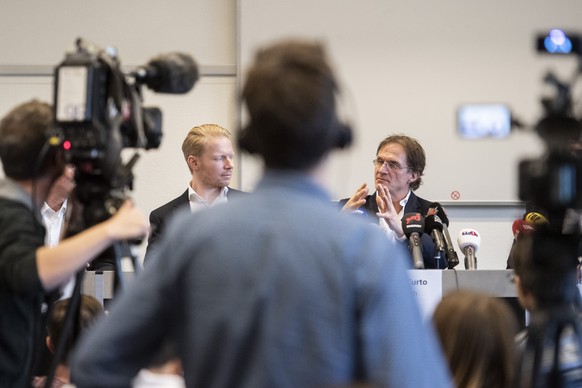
<point>398,170</point>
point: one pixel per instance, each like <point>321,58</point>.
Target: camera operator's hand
<point>357,200</point>
<point>128,223</point>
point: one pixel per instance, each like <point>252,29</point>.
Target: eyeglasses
<point>393,166</point>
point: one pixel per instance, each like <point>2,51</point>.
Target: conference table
<point>429,286</point>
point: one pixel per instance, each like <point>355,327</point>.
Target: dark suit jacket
<point>162,215</point>
<point>415,204</point>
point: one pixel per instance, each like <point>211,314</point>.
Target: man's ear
<point>413,177</point>
<point>49,344</point>
<point>193,162</point>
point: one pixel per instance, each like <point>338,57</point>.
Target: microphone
<point>535,218</point>
<point>437,209</point>
<point>521,227</point>
<point>172,73</point>
<point>413,227</point>
<point>469,241</point>
<point>434,226</point>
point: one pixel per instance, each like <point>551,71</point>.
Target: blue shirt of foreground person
<point>279,289</point>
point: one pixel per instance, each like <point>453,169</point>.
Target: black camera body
<point>553,183</point>
<point>98,112</point>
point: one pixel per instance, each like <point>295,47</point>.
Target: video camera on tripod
<point>553,184</point>
<point>98,112</point>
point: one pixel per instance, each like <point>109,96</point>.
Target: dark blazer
<point>415,204</point>
<point>162,215</point>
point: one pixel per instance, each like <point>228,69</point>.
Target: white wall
<point>35,35</point>
<point>408,66</point>
<point>37,32</point>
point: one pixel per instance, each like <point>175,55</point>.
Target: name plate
<point>427,285</point>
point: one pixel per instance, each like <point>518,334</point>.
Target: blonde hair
<point>195,142</point>
<point>477,333</point>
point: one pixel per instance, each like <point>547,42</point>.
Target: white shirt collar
<point>46,209</point>
<point>404,200</point>
<point>197,200</point>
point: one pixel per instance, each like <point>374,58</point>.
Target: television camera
<point>98,111</point>
<point>553,185</point>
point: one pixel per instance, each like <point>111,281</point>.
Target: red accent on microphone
<point>522,227</point>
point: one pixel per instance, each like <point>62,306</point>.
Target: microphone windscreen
<point>521,227</point>
<point>469,237</point>
<point>433,222</point>
<point>535,218</point>
<point>437,209</point>
<point>173,73</point>
<point>411,223</point>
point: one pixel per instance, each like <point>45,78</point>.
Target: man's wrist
<point>400,239</point>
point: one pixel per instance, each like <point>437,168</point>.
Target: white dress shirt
<point>198,203</point>
<point>147,379</point>
<point>54,222</point>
